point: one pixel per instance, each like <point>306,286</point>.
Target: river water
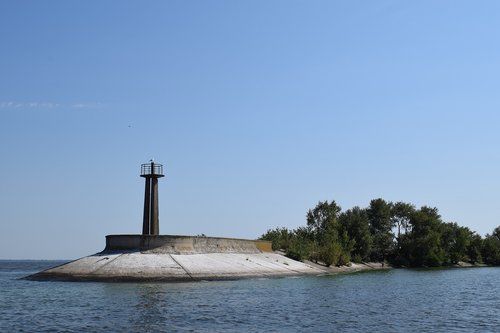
<point>399,300</point>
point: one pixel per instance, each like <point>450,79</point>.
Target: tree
<point>355,223</point>
<point>323,219</point>
<point>301,244</point>
<point>379,218</point>
<point>400,218</point>
<point>323,224</point>
<point>361,234</point>
<point>454,240</point>
<point>491,248</point>
<point>424,244</point>
<point>474,248</point>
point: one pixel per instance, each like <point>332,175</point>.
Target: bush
<point>297,249</point>
<point>433,260</point>
<point>330,254</point>
<point>357,259</point>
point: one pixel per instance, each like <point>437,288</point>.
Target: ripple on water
<point>459,300</point>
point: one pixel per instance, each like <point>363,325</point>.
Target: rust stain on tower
<point>151,172</point>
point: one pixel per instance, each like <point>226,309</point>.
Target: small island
<point>378,237</point>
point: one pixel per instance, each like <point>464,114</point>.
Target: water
<point>459,300</point>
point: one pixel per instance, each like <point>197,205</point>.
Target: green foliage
<point>474,248</point>
<point>280,238</point>
<point>424,243</point>
<point>422,239</point>
<point>491,248</point>
<point>324,227</point>
<point>301,245</point>
<point>355,223</point>
<point>296,244</point>
<point>298,250</point>
<point>330,254</point>
<point>379,218</point>
<point>455,241</point>
<point>347,246</point>
<point>379,215</point>
<point>322,221</point>
<point>401,213</point>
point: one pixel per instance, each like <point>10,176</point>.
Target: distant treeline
<point>398,233</point>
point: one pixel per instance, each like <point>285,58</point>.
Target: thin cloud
<point>46,105</point>
<point>79,106</point>
<point>30,105</point>
<point>87,105</point>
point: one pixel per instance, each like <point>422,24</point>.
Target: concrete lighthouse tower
<point>151,172</point>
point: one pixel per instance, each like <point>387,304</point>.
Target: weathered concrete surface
<point>184,244</point>
<point>177,258</point>
<point>137,266</point>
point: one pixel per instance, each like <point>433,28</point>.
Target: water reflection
<point>150,308</point>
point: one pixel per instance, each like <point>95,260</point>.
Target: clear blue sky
<point>257,109</point>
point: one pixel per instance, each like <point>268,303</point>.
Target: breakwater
<point>177,258</point>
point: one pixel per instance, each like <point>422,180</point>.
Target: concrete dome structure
<point>177,258</point>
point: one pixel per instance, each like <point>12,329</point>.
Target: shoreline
<point>352,268</point>
<point>227,267</point>
<point>162,267</point>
